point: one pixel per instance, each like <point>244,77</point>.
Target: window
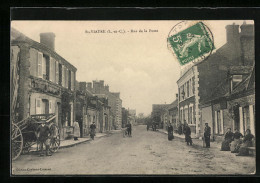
<point>39,68</point>
<point>60,74</point>
<point>190,115</point>
<point>69,79</point>
<point>44,68</point>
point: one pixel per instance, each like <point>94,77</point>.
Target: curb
<point>71,145</point>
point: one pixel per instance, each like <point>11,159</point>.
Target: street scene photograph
<point>168,97</point>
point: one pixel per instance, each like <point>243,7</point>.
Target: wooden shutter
<point>38,106</point>
<point>67,78</point>
<point>39,62</point>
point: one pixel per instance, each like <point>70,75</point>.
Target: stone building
<point>158,114</point>
<point>232,102</point>
<point>114,100</point>
<point>45,81</point>
<point>125,115</point>
<point>198,81</point>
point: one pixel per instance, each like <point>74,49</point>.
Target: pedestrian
<point>147,126</point>
<point>129,130</point>
<point>234,146</point>
<point>187,133</point>
<point>76,130</point>
<point>207,133</point>
<point>170,132</point>
<point>92,130</point>
<point>43,135</point>
<point>225,146</point>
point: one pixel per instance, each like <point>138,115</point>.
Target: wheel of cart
<point>55,137</point>
<point>17,141</point>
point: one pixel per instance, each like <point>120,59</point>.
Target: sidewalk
<point>196,141</point>
<point>72,142</point>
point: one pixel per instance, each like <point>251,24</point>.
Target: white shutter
<point>39,61</point>
<point>38,106</point>
<point>67,78</point>
<point>222,121</point>
<point>51,69</point>
<point>63,76</point>
<point>216,122</point>
<point>241,120</point>
<point>72,80</point>
<point>50,106</point>
<point>57,72</point>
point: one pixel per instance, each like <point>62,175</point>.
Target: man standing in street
<point>129,130</point>
<point>207,133</point>
<point>187,133</point>
<point>43,133</point>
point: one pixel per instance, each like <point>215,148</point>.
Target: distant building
<point>132,116</point>
<point>114,100</point>
<point>125,116</point>
<point>158,114</point>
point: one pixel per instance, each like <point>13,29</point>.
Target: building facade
<point>198,81</point>
<point>45,82</point>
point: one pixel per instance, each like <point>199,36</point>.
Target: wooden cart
<point>24,136</point>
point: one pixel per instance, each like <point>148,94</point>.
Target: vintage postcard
<point>168,97</point>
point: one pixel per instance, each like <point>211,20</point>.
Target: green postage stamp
<point>194,43</point>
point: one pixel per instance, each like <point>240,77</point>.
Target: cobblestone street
<point>147,152</point>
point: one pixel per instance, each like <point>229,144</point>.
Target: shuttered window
<point>39,64</point>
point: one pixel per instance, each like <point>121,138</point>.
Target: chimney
<point>107,88</point>
<point>102,83</point>
<point>247,29</point>
<point>48,39</point>
<point>232,33</point>
<point>89,85</point>
<point>82,86</point>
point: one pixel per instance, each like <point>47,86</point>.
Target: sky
<point>138,65</point>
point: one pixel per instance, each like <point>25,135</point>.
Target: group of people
<point>153,125</point>
<point>186,131</point>
<point>237,143</point>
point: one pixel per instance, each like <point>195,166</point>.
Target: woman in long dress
<point>228,139</point>
<point>247,142</point>
<point>234,146</point>
<point>170,132</point>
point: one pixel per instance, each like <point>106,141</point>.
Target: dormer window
<point>235,79</point>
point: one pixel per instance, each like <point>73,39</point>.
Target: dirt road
<point>146,152</point>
